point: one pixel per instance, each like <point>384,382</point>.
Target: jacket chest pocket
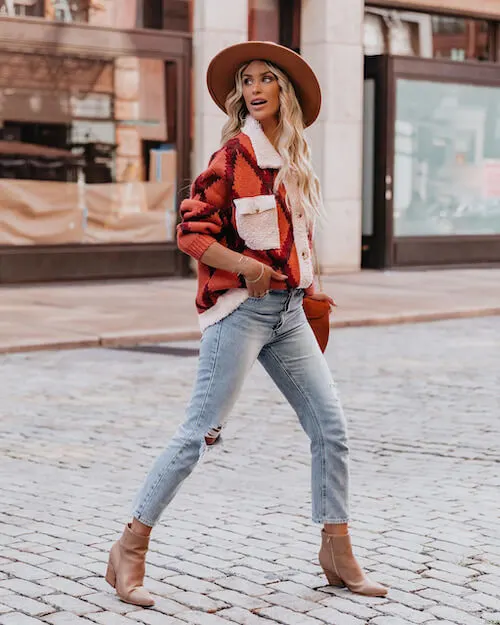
<point>257,222</point>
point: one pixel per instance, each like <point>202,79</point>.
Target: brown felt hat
<point>223,67</point>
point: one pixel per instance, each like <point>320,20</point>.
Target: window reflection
<point>68,10</point>
<point>166,14</point>
<point>161,14</point>
<point>447,159</point>
<point>409,33</point>
<point>459,39</point>
<point>58,10</point>
<point>21,8</point>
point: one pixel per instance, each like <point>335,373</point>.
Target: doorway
<point>377,169</point>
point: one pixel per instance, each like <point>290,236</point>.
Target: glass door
<point>377,166</point>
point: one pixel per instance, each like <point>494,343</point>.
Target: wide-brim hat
<point>223,67</point>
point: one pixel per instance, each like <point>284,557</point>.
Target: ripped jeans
<point>274,330</point>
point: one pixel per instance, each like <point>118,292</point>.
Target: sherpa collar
<point>267,157</point>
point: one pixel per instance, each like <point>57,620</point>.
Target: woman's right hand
<point>258,278</point>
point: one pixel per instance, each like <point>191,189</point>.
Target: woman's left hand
<point>322,297</point>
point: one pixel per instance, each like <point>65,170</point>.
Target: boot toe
<point>375,589</point>
<point>139,596</point>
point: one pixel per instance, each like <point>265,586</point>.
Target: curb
<point>125,339</point>
<point>418,317</point>
<point>129,338</point>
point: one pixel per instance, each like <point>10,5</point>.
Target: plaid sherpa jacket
<point>232,202</point>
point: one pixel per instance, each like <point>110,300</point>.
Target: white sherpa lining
<point>257,222</point>
<point>301,238</point>
<point>267,157</point>
<point>226,304</point>
<point>255,204</point>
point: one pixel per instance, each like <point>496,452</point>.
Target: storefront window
<point>58,10</point>
<point>22,8</point>
<point>264,20</point>
<point>178,15</point>
<point>86,145</point>
<point>409,33</point>
<point>447,159</point>
<point>166,14</point>
<point>460,39</point>
<point>69,10</point>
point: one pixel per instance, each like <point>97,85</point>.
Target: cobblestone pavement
<point>80,428</point>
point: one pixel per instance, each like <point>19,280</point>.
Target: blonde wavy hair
<point>292,145</point>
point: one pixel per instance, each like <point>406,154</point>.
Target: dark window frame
<point>290,24</point>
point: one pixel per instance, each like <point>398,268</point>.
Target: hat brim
<point>223,67</point>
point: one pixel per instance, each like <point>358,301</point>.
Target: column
<point>217,24</point>
<point>331,41</point>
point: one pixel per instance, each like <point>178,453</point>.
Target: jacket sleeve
<point>208,210</point>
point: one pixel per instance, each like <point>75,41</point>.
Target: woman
<point>249,224</point>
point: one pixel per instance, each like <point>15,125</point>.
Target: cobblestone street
<point>80,428</point>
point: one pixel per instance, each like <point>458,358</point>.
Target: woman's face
<point>261,92</point>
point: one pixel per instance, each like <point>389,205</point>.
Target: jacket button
<point>304,255</point>
<point>301,215</point>
<point>257,210</point>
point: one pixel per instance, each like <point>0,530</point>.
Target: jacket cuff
<point>195,244</point>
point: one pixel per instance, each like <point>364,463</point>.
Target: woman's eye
<point>247,81</point>
<point>268,78</point>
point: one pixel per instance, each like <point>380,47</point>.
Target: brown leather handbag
<point>318,312</point>
<point>318,315</point>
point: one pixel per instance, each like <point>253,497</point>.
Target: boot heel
<point>111,575</point>
<point>333,578</point>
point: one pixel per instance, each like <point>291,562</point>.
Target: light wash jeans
<point>275,331</point>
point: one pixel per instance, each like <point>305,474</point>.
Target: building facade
<point>108,100</point>
<point>431,169</point>
<point>407,145</point>
<point>95,137</point>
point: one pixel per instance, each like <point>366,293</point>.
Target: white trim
<point>255,204</point>
<point>223,307</point>
<point>301,238</point>
<point>268,158</point>
<point>265,154</point>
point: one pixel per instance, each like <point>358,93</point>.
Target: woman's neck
<point>270,126</point>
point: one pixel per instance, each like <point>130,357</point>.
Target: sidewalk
<point>116,313</point>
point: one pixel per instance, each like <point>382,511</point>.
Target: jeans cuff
<point>142,519</point>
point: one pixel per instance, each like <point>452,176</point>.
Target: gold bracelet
<point>260,275</point>
<point>240,260</point>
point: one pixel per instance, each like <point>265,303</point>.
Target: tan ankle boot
<point>341,568</point>
<point>127,566</point>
